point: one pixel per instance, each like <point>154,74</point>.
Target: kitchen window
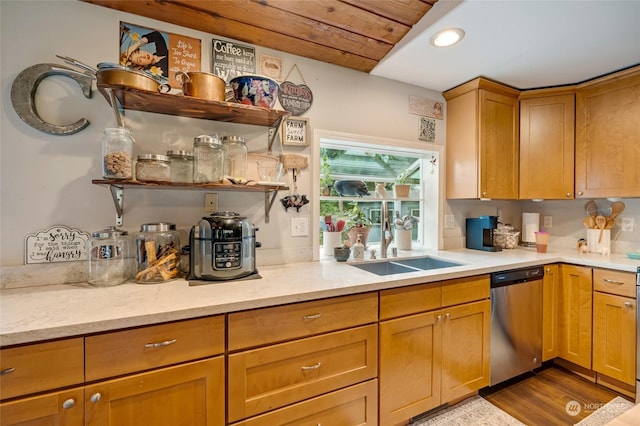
<point>378,163</point>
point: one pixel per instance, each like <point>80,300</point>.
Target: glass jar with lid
<point>157,252</point>
<point>181,164</point>
<point>110,257</point>
<point>117,153</point>
<point>207,159</point>
<point>153,168</point>
<point>235,157</point>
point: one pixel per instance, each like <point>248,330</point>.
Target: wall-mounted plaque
<point>159,53</point>
<point>295,131</point>
<point>231,59</point>
<point>56,244</point>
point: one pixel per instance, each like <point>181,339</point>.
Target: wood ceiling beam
<point>172,12</point>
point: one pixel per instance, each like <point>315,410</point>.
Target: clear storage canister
<point>235,157</point>
<point>153,168</point>
<point>111,258</point>
<point>181,163</point>
<point>117,153</point>
<point>207,159</point>
<point>158,253</point>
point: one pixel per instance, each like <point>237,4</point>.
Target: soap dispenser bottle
<point>358,249</point>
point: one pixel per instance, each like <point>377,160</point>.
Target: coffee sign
<point>295,98</point>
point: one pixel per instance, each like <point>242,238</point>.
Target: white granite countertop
<point>33,314</point>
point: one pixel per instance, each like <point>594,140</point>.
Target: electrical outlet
<point>299,226</point>
<point>449,221</point>
<point>211,202</point>
<point>627,224</point>
<point>548,222</point>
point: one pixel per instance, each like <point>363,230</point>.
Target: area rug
<point>475,411</point>
<point>607,412</point>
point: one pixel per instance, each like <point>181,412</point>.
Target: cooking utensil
<point>202,85</point>
<point>601,222</point>
<point>78,64</point>
<point>617,207</point>
<point>588,222</point>
<point>327,220</point>
<point>591,208</point>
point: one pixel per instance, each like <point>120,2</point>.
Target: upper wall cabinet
<point>547,144</point>
<point>482,141</point>
<point>608,136</point>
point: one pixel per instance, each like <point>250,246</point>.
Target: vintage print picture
<point>427,129</point>
<point>158,53</point>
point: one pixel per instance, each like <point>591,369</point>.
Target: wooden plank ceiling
<point>355,34</point>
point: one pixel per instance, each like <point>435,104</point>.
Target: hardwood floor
<point>542,398</point>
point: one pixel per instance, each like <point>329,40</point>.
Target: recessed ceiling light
<point>447,37</point>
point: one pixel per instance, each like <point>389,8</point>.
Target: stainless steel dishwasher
<point>516,322</point>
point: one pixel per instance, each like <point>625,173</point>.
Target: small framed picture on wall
<point>295,131</point>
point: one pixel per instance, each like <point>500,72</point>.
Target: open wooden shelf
<point>186,106</point>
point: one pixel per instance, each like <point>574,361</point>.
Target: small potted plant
<point>357,223</point>
<point>326,181</point>
<point>401,188</point>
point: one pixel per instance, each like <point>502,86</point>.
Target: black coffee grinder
<point>480,233</point>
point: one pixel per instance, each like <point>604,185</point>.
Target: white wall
<point>46,180</point>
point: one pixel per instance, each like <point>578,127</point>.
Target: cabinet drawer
<point>270,325</point>
<point>615,282</point>
<point>272,377</point>
<point>139,349</point>
<point>464,290</point>
<point>41,366</point>
<point>356,405</point>
<point>397,302</point>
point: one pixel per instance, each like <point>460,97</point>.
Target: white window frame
<point>432,184</point>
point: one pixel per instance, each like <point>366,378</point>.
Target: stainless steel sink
<point>427,263</point>
<point>402,266</point>
<point>384,268</point>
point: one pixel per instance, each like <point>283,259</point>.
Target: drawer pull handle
<point>313,316</point>
<point>7,371</point>
<point>311,367</point>
<point>607,280</point>
<point>69,403</point>
<point>95,397</point>
<point>160,344</point>
<point>628,304</point>
<point>439,318</point>
<point>447,315</point>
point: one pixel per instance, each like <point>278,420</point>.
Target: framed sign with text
<point>295,131</point>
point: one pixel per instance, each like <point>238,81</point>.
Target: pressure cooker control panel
<point>227,255</point>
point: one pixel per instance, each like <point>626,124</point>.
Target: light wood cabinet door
<point>274,376</point>
<point>64,408</point>
<point>41,367</point>
<point>607,135</point>
<point>482,141</point>
<point>465,349</point>
<point>547,129</point>
<point>550,312</point>
<point>615,282</point>
<point>614,336</point>
<point>575,315</point>
<point>352,406</point>
<point>410,366</point>
<point>279,323</point>
<point>139,349</point>
<point>189,394</point>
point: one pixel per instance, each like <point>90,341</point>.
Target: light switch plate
<point>299,226</point>
<point>548,222</point>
